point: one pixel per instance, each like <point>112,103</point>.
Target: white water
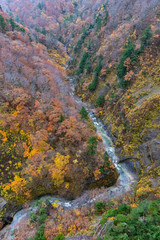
<point>124,184</point>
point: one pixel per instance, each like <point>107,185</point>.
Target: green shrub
<point>20,29</point>
<point>80,42</point>
<point>129,50</point>
<point>120,218</point>
<point>92,87</point>
<point>13,24</point>
<point>60,237</point>
<point>30,37</point>
<point>40,233</point>
<point>146,37</point>
<point>108,71</point>
<point>139,223</point>
<point>41,5</point>
<point>44,32</point>
<point>40,218</point>
<point>82,63</point>
<point>99,206</point>
<point>2,22</point>
<point>124,208</point>
<point>84,113</point>
<point>88,66</point>
<point>62,118</point>
<point>92,145</point>
<point>33,217</point>
<point>106,159</point>
<point>99,101</point>
<point>98,22</point>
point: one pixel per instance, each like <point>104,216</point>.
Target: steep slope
<point>114,63</point>
<point>118,71</point>
<point>45,145</point>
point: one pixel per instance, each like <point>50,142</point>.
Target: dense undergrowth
<point>126,217</point>
<point>142,222</point>
<point>45,145</point>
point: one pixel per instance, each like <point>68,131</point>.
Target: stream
<point>124,184</point>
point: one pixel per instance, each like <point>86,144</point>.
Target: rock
<point>134,167</point>
<point>124,159</point>
<point>108,179</point>
<point>2,203</point>
<point>100,231</point>
<point>155,151</point>
<point>10,210</point>
<point>151,134</point>
<point>7,220</point>
<point>151,152</point>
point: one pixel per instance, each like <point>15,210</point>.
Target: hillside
<point>108,52</point>
<point>40,122</point>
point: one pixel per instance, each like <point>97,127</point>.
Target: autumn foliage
<point>43,139</point>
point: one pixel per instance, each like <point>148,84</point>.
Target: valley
<point>79,119</point>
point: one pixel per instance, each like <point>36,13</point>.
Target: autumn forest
<point>79,119</point>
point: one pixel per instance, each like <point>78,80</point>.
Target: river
<point>125,182</point>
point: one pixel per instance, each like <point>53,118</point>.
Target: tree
<point>92,87</point>
<point>129,51</point>
<point>44,32</point>
<point>13,24</point>
<point>99,101</point>
<point>92,145</point>
<point>71,131</point>
<point>82,62</point>
<point>146,37</point>
<point>60,237</point>
<point>58,170</point>
<point>84,113</point>
<point>98,22</point>
<point>2,23</point>
<point>17,190</point>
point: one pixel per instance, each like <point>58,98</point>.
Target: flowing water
<point>124,184</point>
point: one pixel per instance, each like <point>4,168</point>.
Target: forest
<point>79,119</point>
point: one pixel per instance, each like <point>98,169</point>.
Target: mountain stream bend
<point>124,184</point>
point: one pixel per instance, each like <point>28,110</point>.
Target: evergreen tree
<point>2,23</point>
<point>13,24</point>
<point>84,113</point>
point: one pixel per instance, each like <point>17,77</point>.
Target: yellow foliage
<point>97,174</point>
<point>58,169</point>
<point>75,161</point>
<point>133,205</point>
<point>15,113</point>
<point>4,135</point>
<point>78,213</point>
<point>67,185</point>
<point>61,161</point>
<point>55,204</point>
<point>16,190</point>
<point>111,218</point>
<point>142,190</point>
<point>72,229</point>
<point>60,228</point>
<point>19,164</point>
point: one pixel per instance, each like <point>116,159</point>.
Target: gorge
<point>79,119</point>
